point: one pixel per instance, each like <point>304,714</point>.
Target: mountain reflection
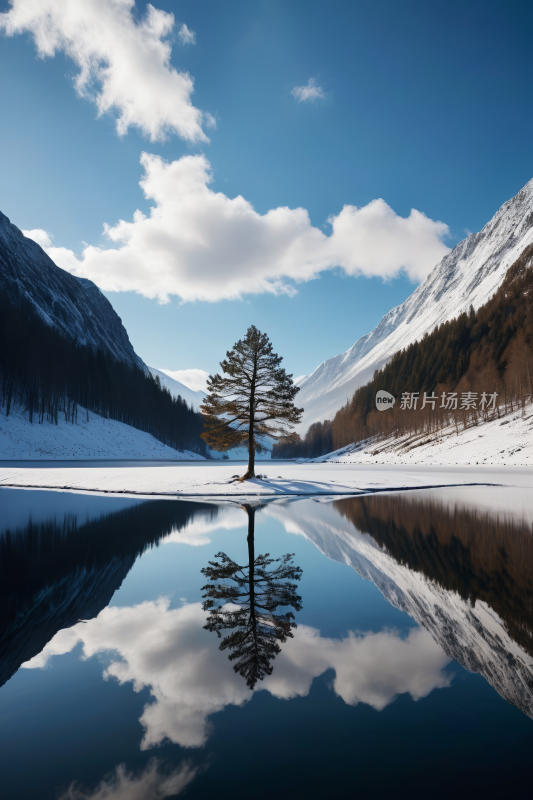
<point>251,595</point>
<point>480,555</point>
<point>59,570</point>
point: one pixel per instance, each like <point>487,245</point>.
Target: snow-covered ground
<point>282,479</point>
<point>98,438</point>
<point>507,442</point>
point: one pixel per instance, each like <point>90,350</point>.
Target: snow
<point>474,635</point>
<point>507,441</point>
<point>282,479</point>
<point>194,378</point>
<point>98,438</point>
<point>470,274</point>
<point>176,388</point>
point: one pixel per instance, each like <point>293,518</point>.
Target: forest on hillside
<point>47,375</point>
<point>475,356</point>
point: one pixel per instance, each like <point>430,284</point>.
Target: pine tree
<point>251,401</point>
<point>244,599</point>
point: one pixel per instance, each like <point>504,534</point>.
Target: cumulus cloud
<point>195,379</point>
<point>186,36</point>
<point>200,244</point>
<point>124,63</point>
<point>189,678</point>
<point>150,784</point>
<point>309,92</point>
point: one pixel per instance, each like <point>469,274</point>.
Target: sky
<point>299,166</point>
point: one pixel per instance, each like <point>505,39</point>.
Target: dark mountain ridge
<point>63,347</point>
<point>74,306</point>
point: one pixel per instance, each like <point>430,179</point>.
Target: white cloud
<point>150,784</point>
<point>186,36</point>
<point>124,64</point>
<point>189,678</point>
<point>310,92</point>
<point>195,531</point>
<point>194,379</point>
<point>199,244</point>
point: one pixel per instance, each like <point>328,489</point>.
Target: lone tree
<point>253,399</point>
<point>244,599</point>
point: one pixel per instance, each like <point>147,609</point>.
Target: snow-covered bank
<point>212,480</point>
<point>506,442</point>
<point>98,438</point>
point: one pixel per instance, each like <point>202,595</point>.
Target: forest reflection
<point>479,554</point>
<point>244,599</point>
<point>68,566</point>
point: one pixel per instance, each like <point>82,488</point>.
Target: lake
<point>152,648</point>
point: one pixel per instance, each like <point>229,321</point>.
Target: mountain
<point>60,568</point>
<point>75,306</point>
<point>468,584</point>
<point>468,275</point>
<point>176,388</point>
<point>64,353</point>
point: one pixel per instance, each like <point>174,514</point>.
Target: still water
<point>152,649</point>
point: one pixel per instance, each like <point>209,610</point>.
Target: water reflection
<point>464,574</point>
<point>249,604</point>
<point>461,571</point>
<point>152,782</point>
<point>482,556</point>
<point>58,568</point>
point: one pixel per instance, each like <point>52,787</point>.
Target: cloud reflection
<point>151,784</point>
<point>189,678</point>
<point>195,531</point>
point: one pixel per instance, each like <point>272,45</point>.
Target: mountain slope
<point>75,306</point>
<point>179,389</point>
<point>468,275</point>
<point>92,438</point>
<point>467,629</point>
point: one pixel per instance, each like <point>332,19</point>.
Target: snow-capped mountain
<point>177,388</point>
<point>472,634</point>
<point>469,275</point>
<point>76,306</point>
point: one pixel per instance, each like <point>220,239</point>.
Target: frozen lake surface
<point>412,657</point>
<point>278,478</point>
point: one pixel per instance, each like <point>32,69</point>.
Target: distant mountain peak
<point>468,275</point>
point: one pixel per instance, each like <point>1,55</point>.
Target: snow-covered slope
<point>507,441</point>
<point>470,274</point>
<point>98,438</point>
<point>76,306</point>
<point>176,388</point>
<point>473,635</point>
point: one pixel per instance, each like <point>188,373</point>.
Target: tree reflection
<point>244,599</point>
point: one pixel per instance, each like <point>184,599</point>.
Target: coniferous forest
<point>49,376</point>
<point>488,351</point>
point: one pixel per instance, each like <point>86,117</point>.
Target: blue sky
<point>424,105</point>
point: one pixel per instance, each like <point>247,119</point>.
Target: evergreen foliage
<point>490,350</point>
<point>253,400</point>
<point>47,375</point>
<point>479,555</point>
<point>254,593</point>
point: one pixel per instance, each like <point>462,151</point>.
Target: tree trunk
<point>251,439</point>
<point>251,573</point>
